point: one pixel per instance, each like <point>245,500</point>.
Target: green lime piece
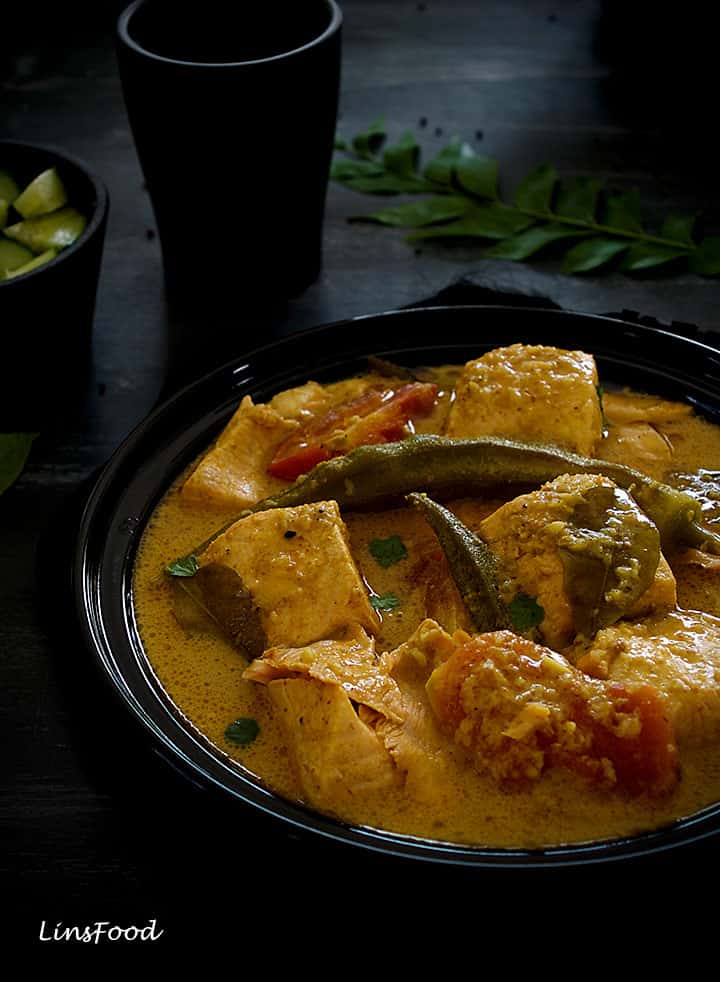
<point>45,194</point>
<point>12,256</point>
<point>3,212</point>
<point>8,187</point>
<point>40,260</point>
<point>54,231</point>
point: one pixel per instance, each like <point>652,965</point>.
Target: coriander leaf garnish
<point>14,450</point>
<point>388,601</point>
<point>591,225</point>
<point>525,612</point>
<point>243,731</point>
<point>387,552</point>
<point>185,566</point>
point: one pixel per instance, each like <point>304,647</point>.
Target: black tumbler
<point>233,108</point>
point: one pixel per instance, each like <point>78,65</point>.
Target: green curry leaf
<point>367,143</point>
<point>478,175</point>
<point>441,169</point>
<point>464,203</point>
<point>403,156</point>
<point>415,214</point>
<point>536,191</point>
<point>592,253</point>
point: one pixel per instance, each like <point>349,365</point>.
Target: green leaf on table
<point>402,157</point>
<point>492,221</point>
<point>705,260</point>
<point>478,175</point>
<point>367,143</point>
<point>14,450</point>
<point>388,184</point>
<point>679,228</point>
<point>442,167</point>
<point>242,731</point>
<point>646,255</point>
<point>415,214</point>
<point>533,239</point>
<point>622,211</point>
<point>535,192</point>
<point>349,168</point>
<point>578,198</point>
<point>593,253</point>
<point>462,201</point>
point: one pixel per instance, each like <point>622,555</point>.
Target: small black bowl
<point>47,314</point>
<point>146,464</point>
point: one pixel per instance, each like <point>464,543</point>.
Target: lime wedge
<point>3,212</point>
<point>45,257</point>
<point>8,188</point>
<point>45,194</point>
<point>55,231</point>
<point>12,256</point>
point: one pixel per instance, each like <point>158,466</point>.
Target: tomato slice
<point>377,416</point>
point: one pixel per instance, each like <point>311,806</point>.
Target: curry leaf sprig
<point>590,223</point>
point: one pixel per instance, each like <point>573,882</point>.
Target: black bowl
<point>149,460</point>
<point>47,314</point>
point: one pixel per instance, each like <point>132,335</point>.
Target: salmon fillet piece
<point>337,757</point>
<point>232,475</point>
<point>526,534</point>
<point>297,566</point>
<point>348,663</point>
<point>677,652</point>
<point>533,393</point>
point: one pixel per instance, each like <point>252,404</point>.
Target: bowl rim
<point>688,830</point>
<point>95,221</point>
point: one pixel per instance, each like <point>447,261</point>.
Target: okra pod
<point>375,475</point>
<point>472,564</point>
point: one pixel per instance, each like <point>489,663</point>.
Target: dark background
<point>94,826</point>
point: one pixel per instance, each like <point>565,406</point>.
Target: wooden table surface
<point>95,827</point>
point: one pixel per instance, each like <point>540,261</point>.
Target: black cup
<point>233,111</point>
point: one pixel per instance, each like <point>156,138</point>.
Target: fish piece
<point>233,473</point>
<point>338,758</point>
<point>428,758</point>
<point>350,663</point>
<point>635,407</point>
<point>518,709</point>
<point>583,550</point>
<point>471,563</point>
<point>677,652</point>
<point>297,567</point>
<point>532,393</point>
<point>649,450</point>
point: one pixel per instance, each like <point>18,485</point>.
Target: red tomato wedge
<point>377,416</point>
